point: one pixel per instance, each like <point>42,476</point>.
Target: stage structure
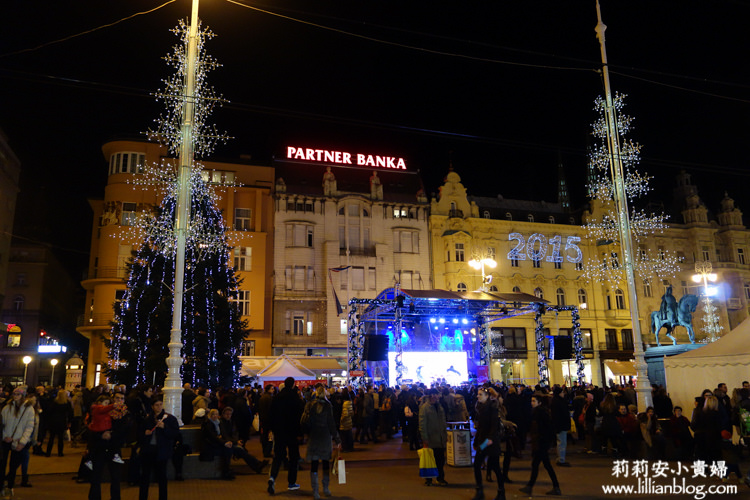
<point>427,325</point>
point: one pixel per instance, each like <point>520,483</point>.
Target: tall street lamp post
<point>642,389</point>
<point>704,273</point>
<point>173,382</point>
<point>26,360</point>
<point>479,265</point>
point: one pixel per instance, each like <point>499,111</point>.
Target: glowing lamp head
<point>26,360</point>
<point>53,362</point>
<point>490,263</point>
<point>712,277</point>
<point>475,264</point>
<point>711,291</point>
<point>697,278</point>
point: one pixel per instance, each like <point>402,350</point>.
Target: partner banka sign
<point>345,158</point>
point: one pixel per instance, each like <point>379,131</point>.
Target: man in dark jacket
<point>157,436</point>
<point>286,412</point>
<point>187,404</point>
<point>230,433</point>
<point>215,444</point>
<point>101,453</point>
<point>560,423</point>
<point>264,417</point>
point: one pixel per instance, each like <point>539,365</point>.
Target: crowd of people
<point>508,420</point>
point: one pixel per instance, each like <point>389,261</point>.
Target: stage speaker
<point>560,347</point>
<point>376,348</point>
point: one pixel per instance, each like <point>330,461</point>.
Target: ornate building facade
<point>341,232</point>
<point>540,248</point>
<point>244,197</point>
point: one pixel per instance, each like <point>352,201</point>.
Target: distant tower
<point>688,202</point>
<point>563,196</point>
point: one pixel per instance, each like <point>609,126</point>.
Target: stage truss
<point>396,306</point>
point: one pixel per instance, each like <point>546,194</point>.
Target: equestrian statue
<point>672,314</point>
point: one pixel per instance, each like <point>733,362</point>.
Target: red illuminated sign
<point>345,158</point>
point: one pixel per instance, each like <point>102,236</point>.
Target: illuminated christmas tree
<point>601,223</point>
<point>212,329</point>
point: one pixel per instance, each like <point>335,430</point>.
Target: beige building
<point>540,248</point>
<point>247,209</point>
<point>369,223</point>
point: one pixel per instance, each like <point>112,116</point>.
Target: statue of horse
<point>685,308</point>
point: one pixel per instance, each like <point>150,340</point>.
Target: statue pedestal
<point>655,360</point>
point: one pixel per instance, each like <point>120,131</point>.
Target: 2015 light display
<point>537,245</point>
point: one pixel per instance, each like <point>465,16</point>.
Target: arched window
<point>530,217</point>
<point>620,299</point>
<point>516,289</point>
<point>538,293</point>
<point>551,219</point>
<point>493,288</point>
<point>461,287</point>
<point>560,297</point>
<point>582,298</point>
<point>486,214</point>
<point>508,216</point>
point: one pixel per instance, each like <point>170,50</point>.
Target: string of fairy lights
<point>207,242</point>
<point>607,265</point>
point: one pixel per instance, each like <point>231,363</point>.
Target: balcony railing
<point>107,272</point>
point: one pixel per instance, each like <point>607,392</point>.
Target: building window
<point>486,214</point>
<point>582,297</point>
<point>705,252</point>
<point>18,302</point>
<point>20,279</point>
<point>126,163</point>
<point>298,323</point>
<point>620,299</point>
<point>217,177</point>
<point>516,289</point>
<point>536,263</point>
<point>406,278</point>
<point>530,217</point>
<point>14,340</point>
<point>609,301</point>
<point>586,342</point>
<point>243,302</point>
<point>579,266</point>
<point>626,335</point>
<point>662,253</point>
<point>406,241</point>
<point>642,252</point>
<point>299,278</point>
<point>242,218</point>
<point>243,260</point>
<point>647,291</point>
<point>129,215</point>
<point>511,338</point>
<point>538,293</point>
<point>558,265</point>
<point>371,278</point>
<point>248,347</point>
<point>551,219</point>
<point>685,289</point>
<point>611,339</point>
<point>299,235</point>
<point>358,278</point>
<point>560,297</point>
<point>514,261</point>
<point>461,287</point>
<point>741,255</point>
<point>459,252</point>
<point>747,290</point>
<point>508,216</point>
<point>493,288</point>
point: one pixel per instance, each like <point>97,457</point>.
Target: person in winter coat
<point>411,412</point>
<point>230,432</point>
<point>318,422</point>
<point>26,453</point>
<point>542,438</point>
<point>560,423</point>
<point>201,400</point>
<point>487,441</point>
<point>346,422</point>
<point>18,418</point>
<point>59,420</point>
<point>157,436</point>
<point>286,412</point>
<point>264,419</point>
<point>215,444</point>
<point>434,431</point>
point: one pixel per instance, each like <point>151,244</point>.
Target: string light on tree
<point>712,328</point>
<point>601,224</point>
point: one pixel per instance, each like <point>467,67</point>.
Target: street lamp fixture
<point>479,265</point>
<point>26,360</point>
<point>704,273</point>
<point>53,362</point>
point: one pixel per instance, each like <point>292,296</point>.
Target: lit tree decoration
<point>711,325</point>
<point>601,225</point>
<point>212,329</point>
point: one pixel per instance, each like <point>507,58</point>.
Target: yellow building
<point>540,248</point>
<point>248,213</point>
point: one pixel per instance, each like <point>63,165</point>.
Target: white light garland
<point>603,232</point>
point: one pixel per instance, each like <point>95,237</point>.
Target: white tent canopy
<point>283,367</point>
<point>726,360</point>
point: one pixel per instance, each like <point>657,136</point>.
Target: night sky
<point>499,89</point>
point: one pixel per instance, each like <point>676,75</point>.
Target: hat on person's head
<point>200,412</point>
<point>19,390</point>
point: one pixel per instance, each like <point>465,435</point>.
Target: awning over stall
<point>621,368</point>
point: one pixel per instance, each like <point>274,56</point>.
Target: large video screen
<point>427,367</point>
